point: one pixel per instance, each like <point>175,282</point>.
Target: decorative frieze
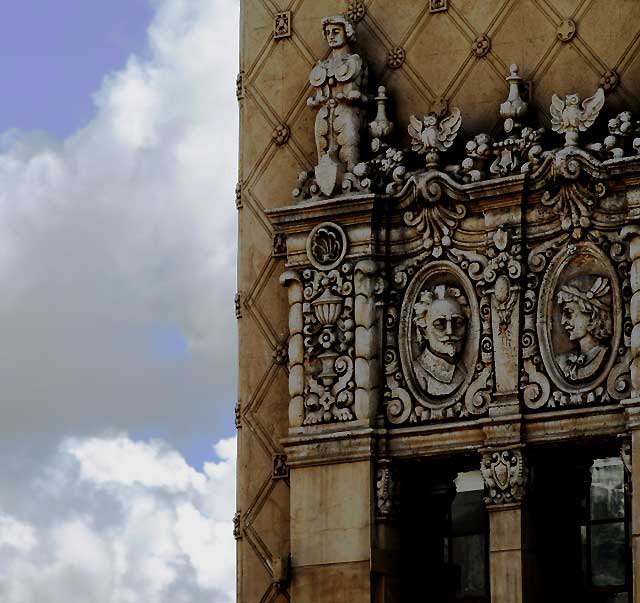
<point>505,476</point>
<point>239,195</point>
<point>279,245</point>
<point>356,10</point>
<point>237,303</point>
<point>325,382</point>
<point>566,30</point>
<point>280,355</point>
<point>332,345</point>
<point>481,46</point>
<point>237,527</point>
<point>240,86</point>
<point>625,455</point>
<point>238,415</point>
<point>609,81</point>
<point>280,467</point>
<point>386,491</point>
<point>282,25</point>
<point>281,134</point>
<point>396,57</point>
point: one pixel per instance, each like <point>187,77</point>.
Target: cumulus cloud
<point>112,520</point>
<point>117,247</point>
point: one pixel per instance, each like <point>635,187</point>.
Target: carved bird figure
<point>432,134</point>
<point>568,117</point>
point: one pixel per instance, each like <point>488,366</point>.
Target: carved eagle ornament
<point>432,133</point>
<point>567,116</point>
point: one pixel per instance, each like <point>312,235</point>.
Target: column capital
<point>505,475</point>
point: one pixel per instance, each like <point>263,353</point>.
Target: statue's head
<point>441,317</point>
<point>585,312</point>
<point>338,31</point>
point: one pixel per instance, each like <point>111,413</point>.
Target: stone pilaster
<point>505,475</point>
<point>632,405</point>
<point>367,345</point>
<point>296,348</point>
<point>631,451</point>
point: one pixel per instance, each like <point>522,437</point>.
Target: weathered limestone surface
<point>503,237</point>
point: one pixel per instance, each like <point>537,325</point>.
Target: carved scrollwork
<point>574,196</point>
<point>431,212</point>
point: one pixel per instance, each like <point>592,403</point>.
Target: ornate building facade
<point>439,301</point>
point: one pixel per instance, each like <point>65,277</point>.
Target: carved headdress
<point>594,302</point>
<point>593,296</point>
<point>349,30</point>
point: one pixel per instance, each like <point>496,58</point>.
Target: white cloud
<point>96,532</point>
<point>124,229</point>
<point>109,240</point>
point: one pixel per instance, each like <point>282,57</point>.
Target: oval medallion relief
<point>578,321</point>
<point>439,335</point>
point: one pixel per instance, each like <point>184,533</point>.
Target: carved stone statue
<point>340,85</point>
<point>441,318</point>
<point>586,317</point>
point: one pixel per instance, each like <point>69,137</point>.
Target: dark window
<point>604,533</point>
<point>467,544</point>
<point>444,535</point>
<point>580,528</point>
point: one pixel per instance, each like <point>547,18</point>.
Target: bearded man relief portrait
<point>441,318</point>
<point>439,335</point>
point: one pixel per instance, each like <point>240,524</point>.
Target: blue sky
<point>54,58</point>
<point>54,54</point>
<point>117,270</point>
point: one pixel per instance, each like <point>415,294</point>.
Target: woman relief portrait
<point>586,320</point>
<point>578,328</point>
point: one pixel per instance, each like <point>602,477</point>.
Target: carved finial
<point>433,134</point>
<point>381,127</point>
<point>568,118</point>
<point>514,107</point>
